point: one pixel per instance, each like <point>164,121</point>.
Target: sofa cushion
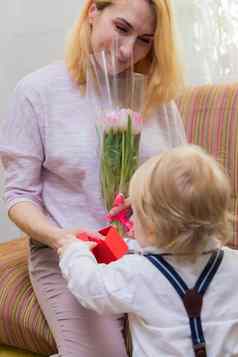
<point>22,323</point>
<point>6,351</point>
<point>210,114</point>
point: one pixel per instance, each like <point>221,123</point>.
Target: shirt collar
<point>211,245</point>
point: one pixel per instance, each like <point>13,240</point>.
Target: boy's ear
<point>92,12</point>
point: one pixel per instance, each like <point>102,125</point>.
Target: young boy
<point>180,289</point>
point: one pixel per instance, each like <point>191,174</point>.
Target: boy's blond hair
<point>183,197</point>
<point>161,65</point>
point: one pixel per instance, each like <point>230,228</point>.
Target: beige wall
<point>32,34</point>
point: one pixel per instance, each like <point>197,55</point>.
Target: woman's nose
<point>127,50</point>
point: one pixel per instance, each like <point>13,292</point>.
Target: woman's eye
<point>121,29</point>
<point>145,41</point>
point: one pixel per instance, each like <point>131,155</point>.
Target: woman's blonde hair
<point>183,197</point>
<point>161,65</point>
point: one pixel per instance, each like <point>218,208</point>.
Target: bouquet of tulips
<point>118,99</point>
<point>119,152</point>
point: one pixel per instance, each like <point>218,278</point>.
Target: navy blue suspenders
<point>192,298</point>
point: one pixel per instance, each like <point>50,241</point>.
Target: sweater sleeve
<point>21,149</point>
<point>104,288</point>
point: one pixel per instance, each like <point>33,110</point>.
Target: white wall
<point>32,34</point>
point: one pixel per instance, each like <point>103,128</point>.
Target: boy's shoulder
<point>136,264</point>
<point>230,263</point>
<point>230,251</point>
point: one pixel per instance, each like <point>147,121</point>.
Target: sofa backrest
<point>210,115</point>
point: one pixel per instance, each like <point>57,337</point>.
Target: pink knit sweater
<point>50,153</point>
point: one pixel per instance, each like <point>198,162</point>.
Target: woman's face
<point>128,26</point>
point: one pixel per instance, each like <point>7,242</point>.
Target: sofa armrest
<point>22,323</point>
<point>210,115</point>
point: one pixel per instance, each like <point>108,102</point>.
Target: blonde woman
<point>49,153</point>
<point>180,287</point>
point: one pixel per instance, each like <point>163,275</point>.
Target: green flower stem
<point>119,160</point>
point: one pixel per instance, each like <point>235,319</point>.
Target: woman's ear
<point>92,12</point>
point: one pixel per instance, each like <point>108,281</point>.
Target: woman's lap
<point>78,332</point>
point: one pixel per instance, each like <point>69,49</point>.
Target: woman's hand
<point>65,243</point>
<point>31,220</point>
<point>67,237</point>
<point>89,233</point>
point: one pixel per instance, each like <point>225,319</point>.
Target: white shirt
<point>158,322</point>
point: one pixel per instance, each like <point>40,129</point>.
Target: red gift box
<point>109,249</point>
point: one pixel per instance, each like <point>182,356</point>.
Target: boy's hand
<point>117,209</point>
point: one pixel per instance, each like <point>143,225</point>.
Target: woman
<point>49,152</point>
